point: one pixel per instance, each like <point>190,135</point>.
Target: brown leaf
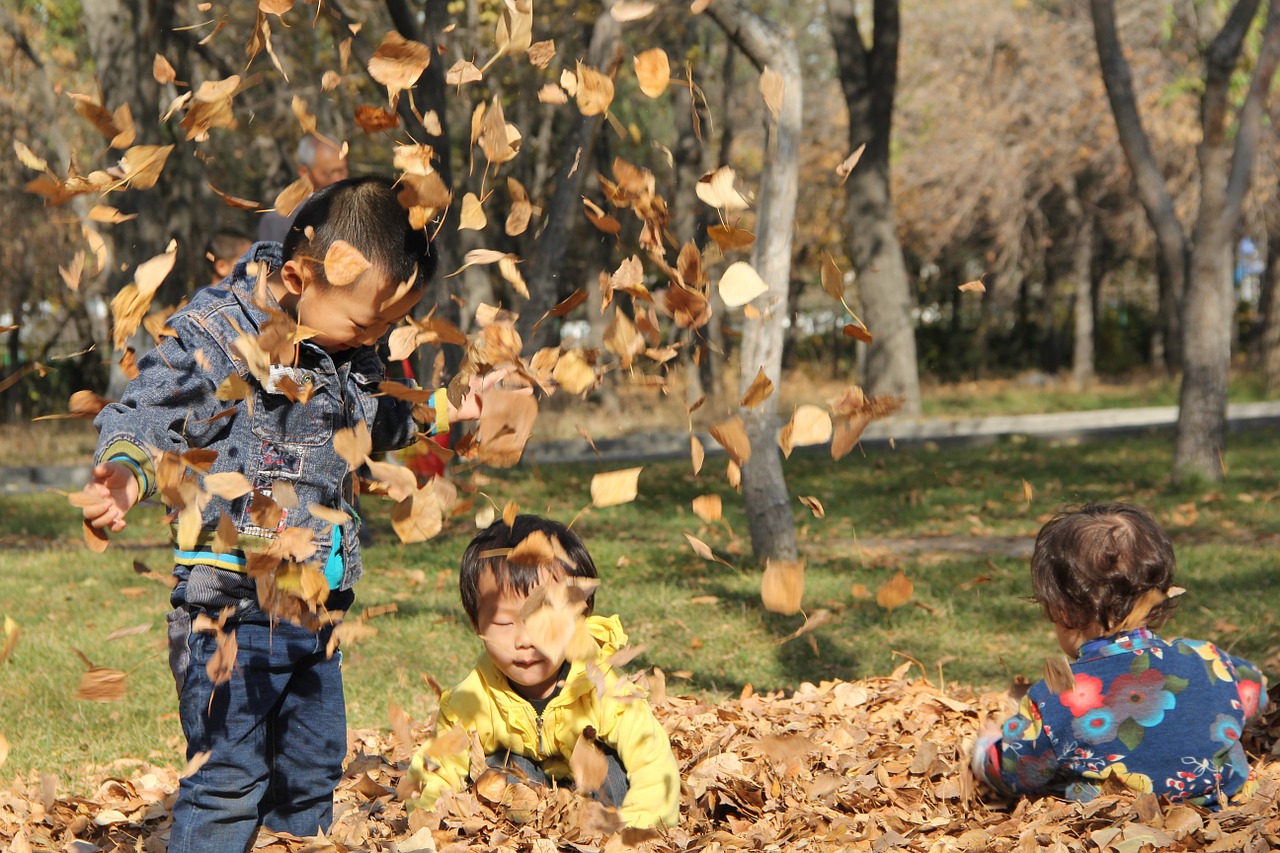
<point>814,505</point>
<point>772,88</point>
<point>95,538</point>
<point>418,517</point>
<point>716,189</point>
<point>732,436</point>
<point>1058,675</point>
<point>344,263</point>
<point>398,62</point>
<point>373,119</point>
<point>809,425</point>
<point>975,286</point>
<point>222,662</point>
<point>709,508</point>
<point>832,278</point>
<point>353,444</point>
<point>896,592</point>
<point>857,332</point>
<point>760,390</point>
<point>595,91</point>
<point>782,587</point>
<point>197,761</point>
<point>653,72</point>
<point>11,633</point>
<point>228,485</point>
<point>613,488</point>
<point>506,422</point>
<point>729,238</point>
<point>293,195</point>
<point>100,684</point>
<point>142,165</point>
<point>846,167</point>
<point>696,453</point>
<point>541,53</point>
<point>812,622</point>
<point>588,765</point>
<point>573,373</point>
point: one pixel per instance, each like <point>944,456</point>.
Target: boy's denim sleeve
<point>391,423</point>
<point>169,405</point>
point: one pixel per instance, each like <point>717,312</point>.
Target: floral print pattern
<point>1128,687</point>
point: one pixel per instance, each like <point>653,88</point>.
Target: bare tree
<point>1203,258</point>
<point>763,484</point>
<point>869,76</point>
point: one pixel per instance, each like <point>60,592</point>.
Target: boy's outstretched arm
<point>111,492</point>
<point>653,777</point>
<point>1017,757</point>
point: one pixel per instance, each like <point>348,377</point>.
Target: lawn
<point>956,522</point>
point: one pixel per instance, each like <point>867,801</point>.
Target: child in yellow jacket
<point>527,703</point>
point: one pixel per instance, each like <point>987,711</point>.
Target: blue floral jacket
<point>1160,717</point>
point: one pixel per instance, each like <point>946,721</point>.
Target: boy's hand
<point>473,399</point>
<point>112,491</point>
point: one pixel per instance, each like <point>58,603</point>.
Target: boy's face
<point>355,315</point>
<point>506,640</point>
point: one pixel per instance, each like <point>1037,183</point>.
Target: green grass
<point>968,622</point>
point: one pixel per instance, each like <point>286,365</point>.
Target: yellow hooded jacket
<point>485,704</point>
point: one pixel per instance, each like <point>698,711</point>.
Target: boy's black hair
<point>1096,564</point>
<point>366,213</point>
<point>519,577</point>
<point>226,244</point>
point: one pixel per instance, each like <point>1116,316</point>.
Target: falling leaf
<point>771,87</point>
<point>708,508</point>
<point>832,278</point>
<point>11,632</point>
<point>418,517</point>
<point>293,195</point>
<point>846,167</point>
<point>573,373</point>
<point>197,761</point>
<point>398,62</point>
<point>896,592</point>
<point>716,189</point>
<point>100,684</point>
<point>653,71</point>
<point>28,157</point>
<point>740,284</point>
<point>344,263</point>
<point>1058,675</point>
<point>588,765</point>
<point>4,756</point>
<point>353,444</point>
<point>809,425</point>
<point>975,286</point>
<point>732,436</point>
<point>550,93</point>
<point>625,11</point>
<point>506,422</point>
<point>595,91</point>
<point>373,119</point>
<point>761,389</point>
<point>142,165</point>
<point>730,239</point>
<point>541,53</point>
<point>696,453</point>
<point>858,333</point>
<point>472,216</point>
<point>812,622</point>
<point>782,587</point>
<point>95,538</point>
<point>814,505</point>
<point>613,488</point>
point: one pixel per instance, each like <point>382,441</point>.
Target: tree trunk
<point>1082,278</point>
<point>1268,345</point>
<point>1174,254</point>
<point>869,79</point>
<point>563,211</point>
<point>764,487</point>
<point>1207,311</point>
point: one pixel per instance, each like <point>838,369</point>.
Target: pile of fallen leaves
<point>879,764</point>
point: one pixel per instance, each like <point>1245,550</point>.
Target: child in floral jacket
<point>1157,716</point>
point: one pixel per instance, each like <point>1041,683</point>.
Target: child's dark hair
<point>520,577</point>
<point>366,213</point>
<point>1105,564</point>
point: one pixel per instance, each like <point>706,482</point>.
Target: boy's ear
<point>295,276</point>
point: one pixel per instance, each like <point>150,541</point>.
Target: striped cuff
<point>128,454</point>
<point>440,402</point>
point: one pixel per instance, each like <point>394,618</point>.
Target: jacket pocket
<point>277,418</point>
<point>178,623</point>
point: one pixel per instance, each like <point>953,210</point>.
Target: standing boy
<point>273,720</point>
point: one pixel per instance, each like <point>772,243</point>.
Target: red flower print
<point>1249,693</point>
<point>1084,697</point>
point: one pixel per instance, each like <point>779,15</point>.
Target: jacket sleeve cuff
<point>136,460</point>
<point>440,402</point>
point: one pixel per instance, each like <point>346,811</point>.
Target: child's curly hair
<point>1105,564</point>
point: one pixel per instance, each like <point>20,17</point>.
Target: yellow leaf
<point>353,444</point>
<point>653,71</point>
<point>398,62</point>
<point>975,286</point>
<point>814,505</point>
<point>716,189</point>
<point>595,91</point>
<point>615,487</point>
<point>472,216</point>
<point>11,632</point>
<point>573,373</point>
<point>740,284</point>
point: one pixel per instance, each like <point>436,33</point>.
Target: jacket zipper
<point>542,750</point>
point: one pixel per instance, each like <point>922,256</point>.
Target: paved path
<point>650,446</point>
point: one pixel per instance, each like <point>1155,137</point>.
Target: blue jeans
<point>611,792</point>
<point>276,734</point>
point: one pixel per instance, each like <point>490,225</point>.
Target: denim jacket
<point>172,406</point>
